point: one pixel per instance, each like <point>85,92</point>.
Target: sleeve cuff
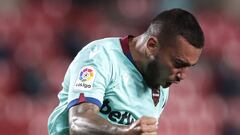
<point>83,99</point>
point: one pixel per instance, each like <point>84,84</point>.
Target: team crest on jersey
<point>85,78</point>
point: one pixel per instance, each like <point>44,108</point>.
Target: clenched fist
<point>143,126</point>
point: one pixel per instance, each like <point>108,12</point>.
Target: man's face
<point>171,62</point>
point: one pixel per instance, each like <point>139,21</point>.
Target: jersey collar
<point>125,48</point>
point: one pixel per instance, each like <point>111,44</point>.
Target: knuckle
<point>143,127</point>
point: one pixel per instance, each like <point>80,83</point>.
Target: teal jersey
<point>104,74</point>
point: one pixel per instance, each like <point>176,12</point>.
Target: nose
<point>181,74</point>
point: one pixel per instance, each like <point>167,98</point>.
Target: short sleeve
<point>89,76</point>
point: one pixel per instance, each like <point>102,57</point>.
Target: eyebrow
<point>185,63</point>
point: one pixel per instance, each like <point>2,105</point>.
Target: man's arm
<point>84,120</point>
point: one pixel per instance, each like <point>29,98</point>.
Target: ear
<point>152,46</point>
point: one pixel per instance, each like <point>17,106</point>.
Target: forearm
<point>90,123</point>
<point>94,125</point>
<point>84,120</point>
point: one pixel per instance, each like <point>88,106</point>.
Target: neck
<point>137,48</point>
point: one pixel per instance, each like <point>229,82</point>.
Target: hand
<point>143,126</point>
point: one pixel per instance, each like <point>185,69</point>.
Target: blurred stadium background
<point>39,38</point>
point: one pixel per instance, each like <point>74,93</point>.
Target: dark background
<point>39,39</point>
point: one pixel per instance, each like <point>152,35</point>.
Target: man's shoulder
<point>109,42</point>
<point>99,51</point>
<point>108,47</point>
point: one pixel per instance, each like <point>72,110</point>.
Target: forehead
<point>183,50</point>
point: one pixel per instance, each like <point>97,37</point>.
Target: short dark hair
<point>171,23</point>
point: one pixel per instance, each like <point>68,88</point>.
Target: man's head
<point>174,41</point>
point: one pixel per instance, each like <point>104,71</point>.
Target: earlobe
<point>149,55</point>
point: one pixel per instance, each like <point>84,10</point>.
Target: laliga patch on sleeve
<point>85,78</point>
